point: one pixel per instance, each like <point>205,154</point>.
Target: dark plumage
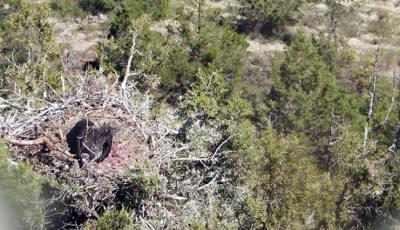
<point>77,135</point>
<point>105,137</point>
<point>89,142</point>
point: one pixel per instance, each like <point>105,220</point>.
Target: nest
<point>39,136</point>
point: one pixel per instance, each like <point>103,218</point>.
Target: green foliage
<point>149,48</point>
<point>175,59</point>
<point>13,6</point>
<point>156,8</point>
<point>268,15</point>
<point>78,8</point>
<point>206,45</point>
<point>113,219</point>
<point>139,188</point>
<point>197,226</point>
<point>282,184</point>
<point>131,10</point>
<point>207,93</point>
<point>97,6</point>
<point>21,189</point>
<point>306,92</point>
<point>246,147</point>
<point>208,97</point>
<point>65,8</point>
<point>290,179</point>
<point>32,51</point>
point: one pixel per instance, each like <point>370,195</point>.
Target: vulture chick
<point>90,142</point>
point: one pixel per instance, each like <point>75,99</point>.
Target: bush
<point>20,191</point>
<point>175,59</point>
<point>82,7</point>
<point>113,219</point>
<point>116,50</point>
<point>130,10</point>
<point>66,8</point>
<point>267,16</point>
<point>29,42</point>
<point>13,5</point>
<point>305,91</point>
<point>97,6</point>
<point>209,45</point>
<point>136,190</point>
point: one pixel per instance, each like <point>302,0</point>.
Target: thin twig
<point>219,147</point>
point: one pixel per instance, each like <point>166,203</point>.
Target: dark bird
<point>89,142</point>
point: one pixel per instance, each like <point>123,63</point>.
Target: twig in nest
<point>61,134</point>
<point>39,141</point>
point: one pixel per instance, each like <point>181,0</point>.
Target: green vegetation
<point>68,8</point>
<point>205,45</point>
<point>175,59</point>
<point>266,16</point>
<point>305,92</point>
<point>20,193</point>
<point>113,219</point>
<point>32,56</point>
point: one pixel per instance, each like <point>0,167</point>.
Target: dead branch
<point>191,159</point>
<point>128,66</point>
<point>147,223</point>
<point>219,147</point>
<point>394,93</point>
<point>173,197</point>
<point>39,141</point>
<point>14,105</point>
<point>371,91</point>
<point>209,183</point>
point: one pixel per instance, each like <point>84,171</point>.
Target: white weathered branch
<point>394,93</point>
<point>39,141</point>
<point>371,91</point>
<point>219,147</point>
<point>128,66</point>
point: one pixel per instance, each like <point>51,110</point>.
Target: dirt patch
<point>80,38</point>
<point>222,4</point>
<point>255,46</point>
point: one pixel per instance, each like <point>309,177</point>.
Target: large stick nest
<point>26,122</point>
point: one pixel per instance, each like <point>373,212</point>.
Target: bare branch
<point>371,91</point>
<point>128,66</point>
<point>191,159</point>
<point>394,93</point>
<point>39,141</point>
<point>219,147</point>
<point>173,197</point>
